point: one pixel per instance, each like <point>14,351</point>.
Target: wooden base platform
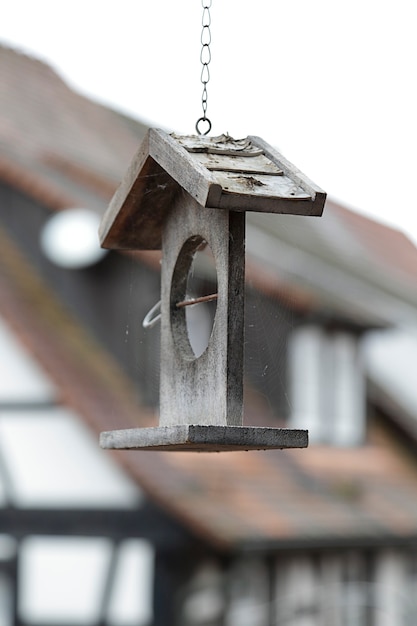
<point>204,438</point>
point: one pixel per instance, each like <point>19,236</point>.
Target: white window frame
<point>327,385</point>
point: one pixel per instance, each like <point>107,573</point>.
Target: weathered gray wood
<point>317,194</point>
<point>208,389</point>
<point>257,190</point>
<point>178,193</point>
<point>204,438</point>
<point>259,164</point>
<point>165,165</point>
<point>136,212</point>
<point>223,144</point>
<point>180,165</point>
<point>113,221</point>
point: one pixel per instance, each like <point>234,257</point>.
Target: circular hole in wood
<point>193,298</point>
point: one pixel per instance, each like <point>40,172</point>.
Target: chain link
<point>203,125</point>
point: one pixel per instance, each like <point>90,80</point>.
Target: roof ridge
<point>20,53</point>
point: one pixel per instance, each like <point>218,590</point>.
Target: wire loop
<point>150,318</point>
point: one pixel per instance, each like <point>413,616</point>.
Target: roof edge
<point>298,544</point>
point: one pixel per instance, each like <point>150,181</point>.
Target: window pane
<point>62,580</point>
<point>53,460</point>
<point>350,393</point>
<point>305,352</point>
<point>21,378</point>
<point>132,597</point>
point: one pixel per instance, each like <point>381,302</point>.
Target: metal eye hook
<point>198,124</point>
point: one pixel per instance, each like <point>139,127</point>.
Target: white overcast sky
<point>330,83</point>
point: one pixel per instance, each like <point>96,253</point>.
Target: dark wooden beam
<point>145,523</point>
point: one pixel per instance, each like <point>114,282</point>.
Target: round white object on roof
<point>70,239</point>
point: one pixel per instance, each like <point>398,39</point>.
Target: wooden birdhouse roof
<point>218,172</point>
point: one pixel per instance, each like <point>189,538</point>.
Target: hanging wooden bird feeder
<point>179,192</point>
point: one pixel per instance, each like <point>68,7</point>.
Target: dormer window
<point>327,385</point>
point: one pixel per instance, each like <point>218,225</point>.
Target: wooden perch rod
<point>192,301</point>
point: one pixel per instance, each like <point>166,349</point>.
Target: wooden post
<point>207,389</point>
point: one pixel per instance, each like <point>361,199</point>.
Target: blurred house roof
<point>56,144</point>
<point>64,150</point>
<point>353,266</point>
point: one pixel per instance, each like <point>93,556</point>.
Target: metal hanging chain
<point>203,124</point>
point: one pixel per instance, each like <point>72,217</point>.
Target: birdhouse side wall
<point>207,389</point>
